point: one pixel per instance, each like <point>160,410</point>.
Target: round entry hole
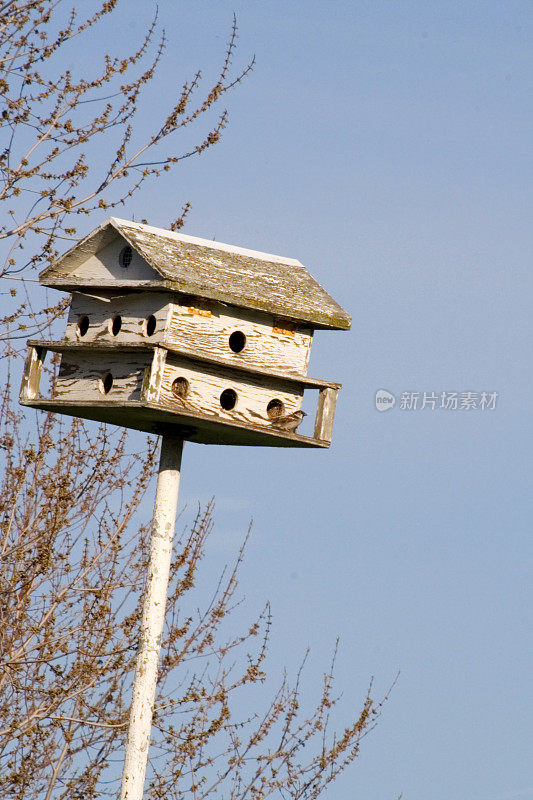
<point>180,387</point>
<point>116,325</point>
<point>275,409</point>
<point>237,341</point>
<point>150,324</point>
<point>106,382</point>
<point>83,325</point>
<point>228,399</point>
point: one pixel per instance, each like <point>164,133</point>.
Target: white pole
<point>144,684</point>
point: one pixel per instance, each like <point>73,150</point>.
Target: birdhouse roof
<point>204,268</point>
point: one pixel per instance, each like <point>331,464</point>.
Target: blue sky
<point>387,145</point>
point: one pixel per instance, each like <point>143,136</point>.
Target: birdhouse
<point>167,330</point>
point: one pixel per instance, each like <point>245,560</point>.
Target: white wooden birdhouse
<point>170,330</point>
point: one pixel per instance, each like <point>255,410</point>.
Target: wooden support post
<point>32,373</point>
<point>325,413</point>
<point>153,375</point>
<point>144,684</point>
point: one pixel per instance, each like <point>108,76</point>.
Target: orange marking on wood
<point>199,311</point>
<point>284,331</point>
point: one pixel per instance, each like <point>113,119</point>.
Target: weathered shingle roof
<point>200,267</point>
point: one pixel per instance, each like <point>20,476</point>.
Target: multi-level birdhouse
<point>167,330</point>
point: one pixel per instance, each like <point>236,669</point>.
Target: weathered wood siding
<point>196,325</point>
<point>133,308</point>
<point>80,376</point>
<point>205,327</point>
<point>105,264</point>
<point>206,384</point>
